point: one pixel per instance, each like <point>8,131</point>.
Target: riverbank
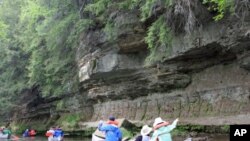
<point>130,129</point>
<point>182,131</point>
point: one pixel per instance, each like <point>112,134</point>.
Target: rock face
<point>205,76</point>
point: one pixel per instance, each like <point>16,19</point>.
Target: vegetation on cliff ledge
<point>164,18</point>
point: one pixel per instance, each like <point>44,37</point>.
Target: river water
<point>40,138</point>
<point>210,138</point>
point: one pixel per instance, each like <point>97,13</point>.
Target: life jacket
<point>113,122</point>
<point>49,133</point>
<point>32,133</point>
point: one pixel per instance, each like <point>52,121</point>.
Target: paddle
<point>14,137</point>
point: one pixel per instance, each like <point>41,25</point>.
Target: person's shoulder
<point>112,127</point>
<point>107,125</point>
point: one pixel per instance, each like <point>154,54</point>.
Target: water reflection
<point>210,138</point>
<point>41,138</point>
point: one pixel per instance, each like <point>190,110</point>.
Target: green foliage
<point>147,9</point>
<point>18,128</point>
<point>50,38</point>
<point>198,128</point>
<point>179,132</point>
<point>184,130</point>
<point>225,129</point>
<point>129,4</point>
<point>111,30</point>
<point>57,51</point>
<point>220,6</point>
<point>126,133</point>
<point>38,45</point>
<point>69,120</point>
<point>12,68</point>
<point>60,105</point>
<point>31,12</point>
<point>80,25</point>
<point>3,28</point>
<point>98,7</point>
<point>158,35</point>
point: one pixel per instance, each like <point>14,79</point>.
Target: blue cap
<point>112,118</point>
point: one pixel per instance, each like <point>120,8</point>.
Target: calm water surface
<point>213,138</point>
<point>210,137</point>
<point>40,138</point>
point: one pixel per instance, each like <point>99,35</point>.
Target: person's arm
<point>154,136</point>
<point>167,128</point>
<point>106,127</point>
<point>119,134</point>
<point>13,137</point>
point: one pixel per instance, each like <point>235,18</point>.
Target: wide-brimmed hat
<point>145,130</point>
<point>158,121</point>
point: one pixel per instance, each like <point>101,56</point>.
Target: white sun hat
<point>145,130</point>
<point>158,121</point>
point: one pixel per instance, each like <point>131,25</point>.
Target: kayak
<point>4,136</point>
<point>55,139</point>
<point>96,138</point>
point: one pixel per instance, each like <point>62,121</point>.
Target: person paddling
<point>145,134</point>
<point>162,130</point>
<point>50,133</point>
<point>6,131</point>
<point>26,133</point>
<point>112,132</point>
<point>112,121</point>
<point>59,134</point>
<point>32,132</point>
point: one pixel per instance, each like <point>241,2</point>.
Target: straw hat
<point>158,121</point>
<point>145,130</point>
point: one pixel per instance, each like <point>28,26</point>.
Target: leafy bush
<point>220,6</point>
<point>69,121</point>
<point>158,35</point>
